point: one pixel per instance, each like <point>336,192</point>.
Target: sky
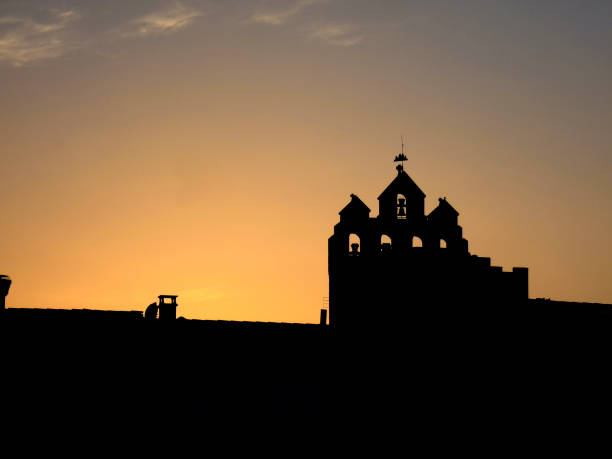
<point>205,148</point>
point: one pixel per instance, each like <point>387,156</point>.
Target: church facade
<point>404,262</point>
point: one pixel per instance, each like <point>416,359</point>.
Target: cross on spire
<point>400,158</point>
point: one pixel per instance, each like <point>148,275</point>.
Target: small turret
<point>5,285</point>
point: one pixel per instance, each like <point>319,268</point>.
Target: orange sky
<point>204,148</point>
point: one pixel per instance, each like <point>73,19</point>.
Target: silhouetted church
<point>402,262</point>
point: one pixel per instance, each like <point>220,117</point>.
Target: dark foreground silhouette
<point>429,350</point>
<point>442,381</point>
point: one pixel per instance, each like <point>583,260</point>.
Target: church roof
<point>402,184</point>
<point>355,206</point>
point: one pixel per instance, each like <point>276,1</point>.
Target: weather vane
<point>401,158</point>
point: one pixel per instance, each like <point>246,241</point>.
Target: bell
<point>401,212</point>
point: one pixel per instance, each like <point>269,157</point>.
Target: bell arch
<point>400,203</point>
<point>385,243</point>
<point>354,244</point>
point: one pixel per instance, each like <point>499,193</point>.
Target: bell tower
<point>404,264</point>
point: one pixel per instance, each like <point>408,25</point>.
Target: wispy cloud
<point>161,22</point>
<point>24,40</point>
<point>280,17</point>
<point>337,34</point>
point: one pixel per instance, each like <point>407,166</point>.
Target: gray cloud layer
<point>43,33</point>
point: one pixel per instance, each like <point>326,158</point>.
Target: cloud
<point>332,34</point>
<point>337,34</point>
<point>24,40</point>
<point>280,17</point>
<point>162,22</point>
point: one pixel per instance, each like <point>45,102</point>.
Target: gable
<point>444,209</point>
<point>355,208</point>
<point>402,184</point>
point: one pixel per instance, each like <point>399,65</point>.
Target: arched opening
<point>442,244</point>
<point>354,247</point>
<point>417,242</point>
<point>385,243</point>
<point>401,207</point>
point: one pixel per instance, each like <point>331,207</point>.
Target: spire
<point>400,158</point>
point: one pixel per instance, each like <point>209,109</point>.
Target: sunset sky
<point>204,148</point>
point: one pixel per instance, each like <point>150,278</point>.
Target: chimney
<point>167,310</point>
